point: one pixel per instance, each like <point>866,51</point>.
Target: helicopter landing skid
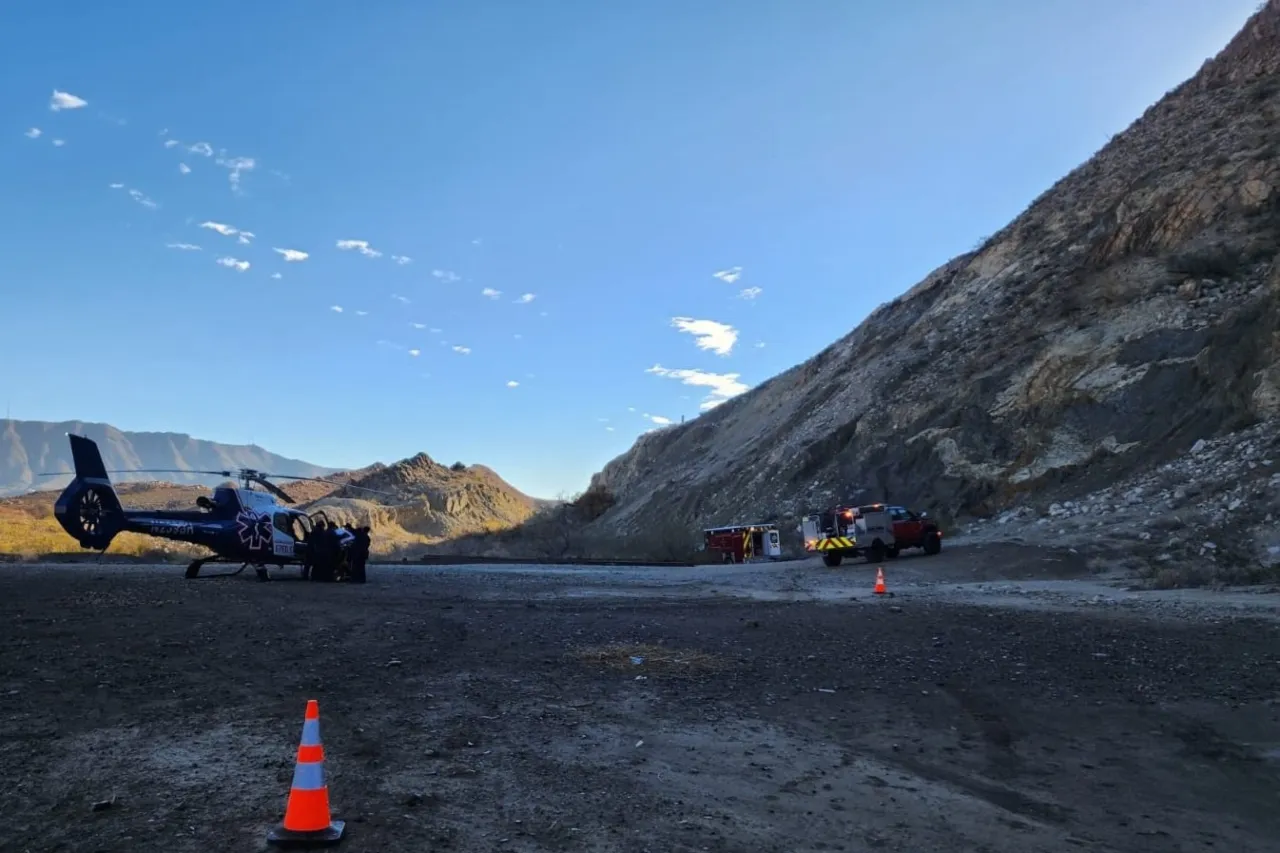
<point>193,570</point>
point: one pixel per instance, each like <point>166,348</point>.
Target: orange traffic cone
<point>306,816</point>
<point>880,589</point>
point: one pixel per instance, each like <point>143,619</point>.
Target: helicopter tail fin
<point>89,508</point>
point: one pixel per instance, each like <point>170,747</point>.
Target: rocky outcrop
<point>1130,312</point>
<point>431,500</point>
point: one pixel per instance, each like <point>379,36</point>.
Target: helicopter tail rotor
<point>88,508</point>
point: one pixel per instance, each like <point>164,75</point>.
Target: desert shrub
<point>457,466</point>
<point>594,503</point>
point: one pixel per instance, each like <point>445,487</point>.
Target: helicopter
<point>239,525</point>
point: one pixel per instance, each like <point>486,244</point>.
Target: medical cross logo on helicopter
<point>239,525</point>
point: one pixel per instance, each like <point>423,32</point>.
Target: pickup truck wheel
<point>932,544</point>
<point>893,552</point>
<point>875,554</point>
<point>832,560</point>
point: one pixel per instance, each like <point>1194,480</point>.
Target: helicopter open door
<point>287,530</point>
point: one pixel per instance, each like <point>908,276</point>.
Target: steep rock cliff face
<point>1132,310</point>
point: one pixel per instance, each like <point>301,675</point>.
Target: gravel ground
<point>1002,699</point>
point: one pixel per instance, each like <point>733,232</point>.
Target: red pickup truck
<point>910,529</point>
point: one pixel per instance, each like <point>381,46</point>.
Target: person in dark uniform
<point>321,547</point>
<point>360,554</point>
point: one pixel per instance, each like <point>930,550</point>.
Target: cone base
<point>331,834</point>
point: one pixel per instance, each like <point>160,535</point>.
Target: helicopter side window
<point>301,527</point>
<point>281,522</point>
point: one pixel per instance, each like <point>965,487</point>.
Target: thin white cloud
<point>711,335</point>
<point>184,168</point>
<point>462,350</point>
<point>140,197</point>
<point>418,325</point>
<point>525,298</point>
<point>235,166</point>
<point>631,408</point>
<point>224,230</point>
<point>66,101</point>
<point>58,143</point>
<point>721,386</point>
<point>659,420</point>
<point>730,275</point>
<point>760,345</point>
<point>446,275</point>
<point>276,275</point>
<point>173,143</point>
<point>435,331</point>
<point>186,247</point>
<point>401,299</point>
<point>362,313</point>
<point>361,246</point>
<point>232,263</point>
<point>401,259</point>
<point>491,293</point>
<point>415,352</point>
<point>292,255</point>
<point>116,186</point>
<point>33,133</point>
<point>608,429</point>
<point>513,384</point>
<point>201,148</point>
<point>337,309</point>
<point>750,292</point>
<point>244,237</point>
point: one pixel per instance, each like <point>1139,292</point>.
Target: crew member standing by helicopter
<point>320,547</point>
<point>360,554</point>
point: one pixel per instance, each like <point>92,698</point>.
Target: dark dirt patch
<point>457,718</point>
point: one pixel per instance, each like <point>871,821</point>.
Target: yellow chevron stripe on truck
<point>834,543</point>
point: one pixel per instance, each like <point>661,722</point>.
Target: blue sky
<point>606,158</point>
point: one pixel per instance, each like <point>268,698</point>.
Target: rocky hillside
<point>429,501</point>
<point>1128,314</point>
<point>30,448</point>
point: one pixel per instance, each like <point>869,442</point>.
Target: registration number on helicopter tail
<point>161,527</point>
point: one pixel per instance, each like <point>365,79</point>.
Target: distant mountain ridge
<point>30,448</point>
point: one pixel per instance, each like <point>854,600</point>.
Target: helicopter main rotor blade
<point>332,483</point>
<point>272,488</point>
<point>144,471</point>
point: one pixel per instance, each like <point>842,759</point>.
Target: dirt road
<point>781,708</point>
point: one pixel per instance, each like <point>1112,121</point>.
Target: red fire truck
<point>873,531</point>
<point>738,543</point>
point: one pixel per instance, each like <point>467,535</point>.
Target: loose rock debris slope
<point>471,710</point>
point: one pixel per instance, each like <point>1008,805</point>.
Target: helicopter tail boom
<point>89,509</point>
